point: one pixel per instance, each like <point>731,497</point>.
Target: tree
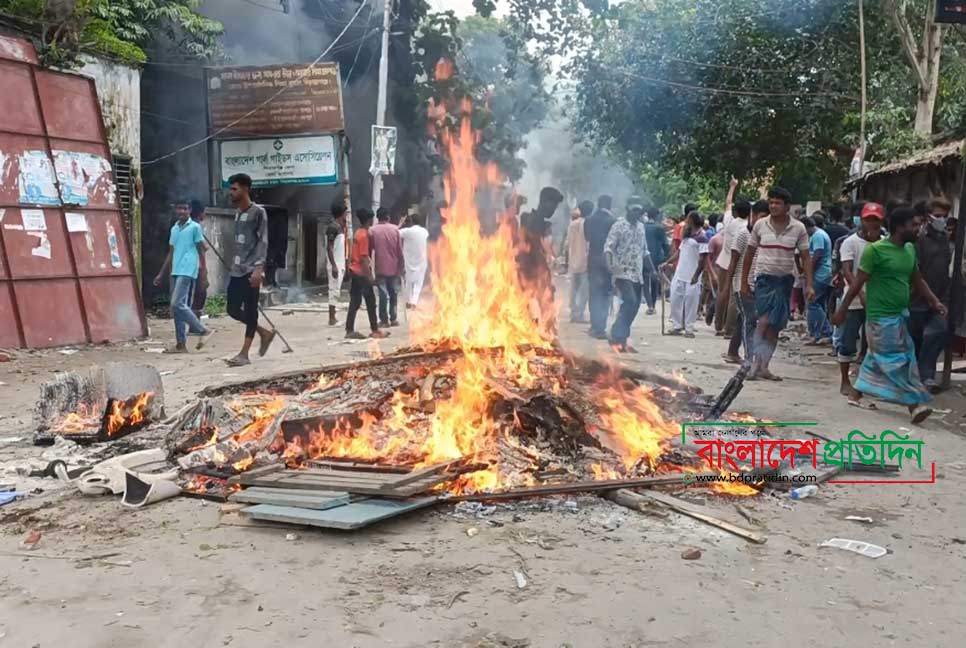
<point>126,29</point>
<point>924,55</point>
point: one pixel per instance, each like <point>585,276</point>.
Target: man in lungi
<point>772,246</point>
<point>888,270</point>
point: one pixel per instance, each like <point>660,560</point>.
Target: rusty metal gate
<point>66,271</point>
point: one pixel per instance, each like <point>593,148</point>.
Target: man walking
<point>691,258</point>
<point>577,261</point>
<point>361,280</point>
<point>335,236</point>
<point>850,254</point>
<point>820,251</point>
<point>929,331</point>
<point>773,242</point>
<point>890,371</point>
<point>201,285</point>
<point>625,253</point>
<point>415,240</point>
<point>744,324</point>
<point>248,268</point>
<point>659,247</point>
<point>596,230</point>
<point>186,247</point>
<point>387,250</point>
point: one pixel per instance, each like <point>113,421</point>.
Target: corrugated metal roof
<point>923,158</point>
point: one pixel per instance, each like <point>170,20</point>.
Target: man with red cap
<point>869,231</point>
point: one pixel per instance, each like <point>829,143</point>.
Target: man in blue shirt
<point>186,248</point>
<point>820,251</point>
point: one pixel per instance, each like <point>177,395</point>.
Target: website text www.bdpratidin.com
<point>751,479</point>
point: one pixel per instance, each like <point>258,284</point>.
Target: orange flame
<point>444,69</point>
<point>125,414</point>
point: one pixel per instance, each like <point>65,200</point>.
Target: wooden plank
<point>317,500</point>
<point>257,472</point>
<point>679,507</point>
<point>348,517</point>
<point>403,492</point>
<point>575,487</point>
<point>357,466</point>
<point>417,475</point>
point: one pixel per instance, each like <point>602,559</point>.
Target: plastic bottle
<point>803,492</point>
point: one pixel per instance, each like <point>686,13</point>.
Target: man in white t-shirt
<point>746,320</point>
<point>414,245</point>
<point>850,254</point>
<point>686,285</point>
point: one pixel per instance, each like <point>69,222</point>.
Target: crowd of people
<point>876,288</point>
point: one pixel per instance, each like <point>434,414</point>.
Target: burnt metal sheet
<point>9,335</point>
<point>66,271</point>
<point>51,312</point>
<point>112,308</point>
<point>19,112</point>
<point>69,106</point>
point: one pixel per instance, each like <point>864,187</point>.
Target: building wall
<point>119,92</point>
<point>916,183</point>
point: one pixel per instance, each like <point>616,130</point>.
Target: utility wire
<point>361,42</point>
<point>265,103</point>
<point>741,93</point>
<point>261,6</point>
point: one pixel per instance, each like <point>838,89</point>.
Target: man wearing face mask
<point>928,329</point>
<point>889,268</point>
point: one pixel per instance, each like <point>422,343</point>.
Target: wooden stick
<point>575,487</point>
<point>630,499</point>
<point>678,507</point>
<point>417,475</point>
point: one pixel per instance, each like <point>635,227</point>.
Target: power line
<point>741,93</point>
<point>275,96</point>
<point>261,6</point>
<point>358,51</point>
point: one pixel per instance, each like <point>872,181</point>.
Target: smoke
<point>260,33</point>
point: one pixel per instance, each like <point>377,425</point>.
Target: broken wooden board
<point>316,500</point>
<point>675,479</point>
<point>359,483</point>
<point>349,517</point>
<point>678,506</point>
<point>358,466</point>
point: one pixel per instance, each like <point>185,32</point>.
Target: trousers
<point>685,298</point>
<point>360,288</point>
<point>185,319</point>
<point>630,295</point>
<point>243,303</point>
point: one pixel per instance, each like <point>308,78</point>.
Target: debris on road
<point>856,546</point>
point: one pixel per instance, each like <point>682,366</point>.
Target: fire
<point>125,414</point>
<point>444,69</point>
<point>84,420</point>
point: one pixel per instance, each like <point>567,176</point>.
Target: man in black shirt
<point>596,229</point>
<point>928,329</point>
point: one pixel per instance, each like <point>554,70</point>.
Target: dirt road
<point>599,576</point>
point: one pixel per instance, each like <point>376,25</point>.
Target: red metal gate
<point>66,271</point>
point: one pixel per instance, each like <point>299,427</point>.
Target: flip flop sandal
<point>920,414</point>
<point>772,377</point>
<point>237,362</point>
<point>866,406</point>
<point>263,347</point>
<point>729,360</point>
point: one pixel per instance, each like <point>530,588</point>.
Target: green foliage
<point>507,92</point>
<point>216,305</point>
<point>126,29</point>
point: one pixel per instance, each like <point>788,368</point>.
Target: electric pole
<point>383,91</point>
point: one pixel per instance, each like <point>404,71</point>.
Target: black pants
<point>599,283</point>
<point>652,288</point>
<point>360,288</point>
<point>243,303</point>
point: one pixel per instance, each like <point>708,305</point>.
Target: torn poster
<point>33,220</point>
<point>37,179</point>
<point>112,242</point>
<point>81,175</point>
<point>3,212</point>
<point>76,222</point>
<point>383,150</point>
<point>43,245</point>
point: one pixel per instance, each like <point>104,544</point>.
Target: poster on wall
<point>383,150</point>
<point>281,161</point>
<point>36,179</point>
<point>81,176</point>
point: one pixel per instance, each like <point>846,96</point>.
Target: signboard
<point>383,150</point>
<point>310,100</point>
<point>280,161</point>
<point>951,11</point>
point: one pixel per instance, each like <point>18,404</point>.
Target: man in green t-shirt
<point>889,271</point>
